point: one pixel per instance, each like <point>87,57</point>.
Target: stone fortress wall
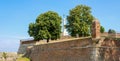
<point>79,49</point>
<point>70,50</point>
<point>24,45</point>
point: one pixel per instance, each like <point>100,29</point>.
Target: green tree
<point>111,31</point>
<point>47,26</point>
<point>102,29</point>
<point>4,55</point>
<point>79,21</point>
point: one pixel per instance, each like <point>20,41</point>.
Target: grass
<point>23,59</point>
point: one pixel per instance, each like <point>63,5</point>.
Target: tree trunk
<point>47,40</point>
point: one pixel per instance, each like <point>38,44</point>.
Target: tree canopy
<point>79,21</point>
<point>47,26</point>
<point>111,31</point>
<point>102,29</point>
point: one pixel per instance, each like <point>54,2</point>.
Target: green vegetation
<point>111,31</point>
<point>23,59</point>
<point>4,55</point>
<point>47,26</point>
<point>79,21</point>
<point>102,29</point>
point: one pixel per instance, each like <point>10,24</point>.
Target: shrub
<point>23,59</point>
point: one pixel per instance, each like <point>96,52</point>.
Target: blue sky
<point>15,16</point>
